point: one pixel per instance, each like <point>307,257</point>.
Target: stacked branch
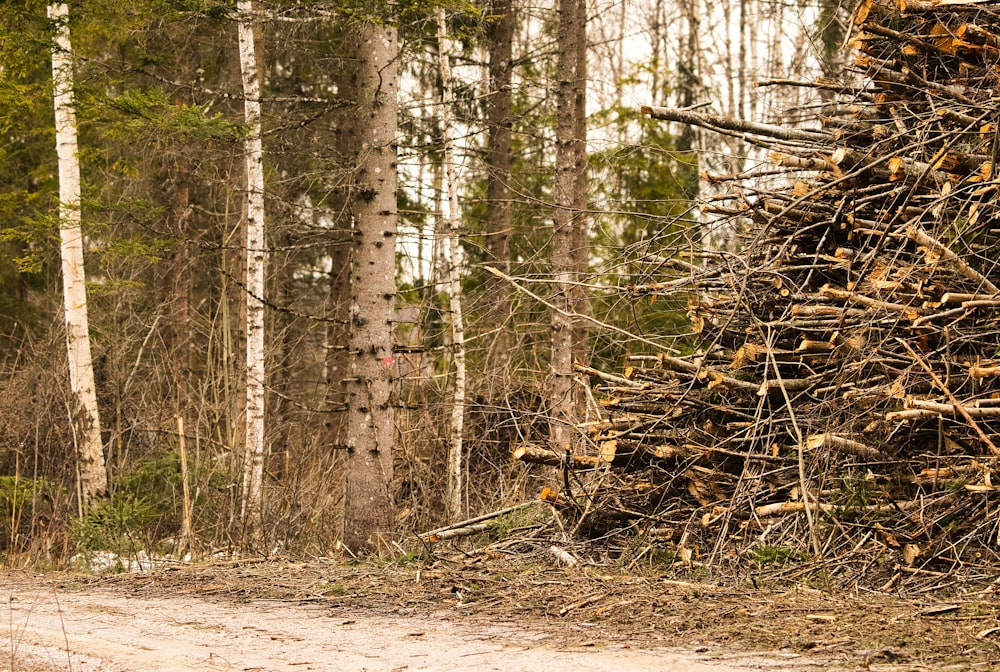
<point>844,396</point>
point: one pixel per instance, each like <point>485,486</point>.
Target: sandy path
<point>103,630</point>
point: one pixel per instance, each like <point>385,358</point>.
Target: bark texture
<point>332,438</point>
<point>499,160</point>
<point>580,297</point>
<point>568,218</point>
<point>93,478</point>
<point>456,464</point>
<point>256,258</point>
<point>368,510</point>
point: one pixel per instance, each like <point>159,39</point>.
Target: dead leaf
<point>686,555</point>
<point>910,553</point>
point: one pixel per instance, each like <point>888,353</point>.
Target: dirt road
<point>101,629</point>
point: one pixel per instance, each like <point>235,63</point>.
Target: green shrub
<point>118,525</point>
<point>776,555</point>
<point>145,507</point>
<point>17,499</point>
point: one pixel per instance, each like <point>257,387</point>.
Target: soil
<point>325,615</point>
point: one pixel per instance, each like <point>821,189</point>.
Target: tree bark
<point>499,160</point>
<point>93,478</point>
<point>567,218</point>
<point>687,97</point>
<point>368,511</point>
<point>456,464</point>
<point>332,437</point>
<point>581,229</point>
<point>256,259</point>
<point>179,287</point>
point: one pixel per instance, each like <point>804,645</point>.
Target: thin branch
<point>598,323</point>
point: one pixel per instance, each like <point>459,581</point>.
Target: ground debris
<point>574,607</point>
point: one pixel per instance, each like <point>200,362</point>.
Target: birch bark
<point>256,259</point>
<point>455,462</point>
<point>93,479</point>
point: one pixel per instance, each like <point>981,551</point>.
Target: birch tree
<point>93,479</point>
<point>453,255</point>
<point>368,509</point>
<point>256,258</point>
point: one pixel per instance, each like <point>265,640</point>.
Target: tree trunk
<point>93,478</point>
<point>689,81</point>
<point>368,508</point>
<point>453,255</point>
<point>178,284</point>
<point>581,229</point>
<point>332,438</point>
<point>499,159</point>
<point>567,218</point>
<point>256,257</point>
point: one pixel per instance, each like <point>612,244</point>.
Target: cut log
<point>456,532</point>
<point>478,519</point>
<point>921,237</point>
<point>952,409</point>
<point>538,455</point>
<point>784,508</point>
<point>843,445</point>
<point>985,370</point>
<point>634,454</point>
<point>717,122</point>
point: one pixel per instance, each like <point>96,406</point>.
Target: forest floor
<point>324,615</point>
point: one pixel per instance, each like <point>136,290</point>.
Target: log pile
<point>843,400</point>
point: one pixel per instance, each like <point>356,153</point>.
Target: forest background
<point>492,154</point>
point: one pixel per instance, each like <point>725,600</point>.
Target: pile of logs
<point>843,400</point>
